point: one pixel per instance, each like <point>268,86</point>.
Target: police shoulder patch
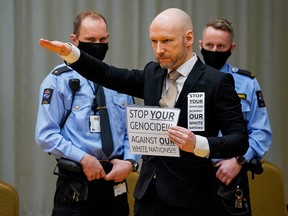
<point>47,96</point>
<point>246,73</point>
<point>61,70</point>
<point>260,99</point>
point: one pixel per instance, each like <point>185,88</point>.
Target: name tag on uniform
<point>120,189</point>
<point>95,124</point>
<point>196,111</point>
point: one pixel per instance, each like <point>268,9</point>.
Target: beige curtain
<point>261,37</point>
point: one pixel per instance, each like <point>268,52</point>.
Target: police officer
<point>69,126</point>
<point>233,193</point>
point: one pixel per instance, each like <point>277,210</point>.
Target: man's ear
<point>189,38</point>
<point>200,44</point>
<point>74,39</point>
<point>233,47</point>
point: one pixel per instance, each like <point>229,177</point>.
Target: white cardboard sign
<point>147,130</point>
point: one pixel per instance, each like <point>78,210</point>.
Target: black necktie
<point>106,136</point>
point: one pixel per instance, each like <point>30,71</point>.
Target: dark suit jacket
<point>185,181</point>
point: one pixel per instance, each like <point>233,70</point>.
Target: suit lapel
<point>158,81</point>
<point>193,77</point>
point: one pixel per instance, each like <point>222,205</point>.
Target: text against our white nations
<point>162,141</point>
<point>151,149</point>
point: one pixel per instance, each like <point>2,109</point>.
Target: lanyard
<point>94,106</point>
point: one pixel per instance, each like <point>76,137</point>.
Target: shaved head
<point>173,18</point>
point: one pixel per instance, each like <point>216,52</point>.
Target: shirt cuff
<point>202,146</point>
<point>73,55</point>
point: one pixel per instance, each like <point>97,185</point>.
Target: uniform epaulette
<point>61,70</point>
<point>246,73</point>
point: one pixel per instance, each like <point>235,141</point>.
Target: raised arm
<point>58,47</point>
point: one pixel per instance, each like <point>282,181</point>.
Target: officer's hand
<point>92,167</point>
<point>183,138</point>
<point>120,171</point>
<point>61,48</point>
<point>227,171</point>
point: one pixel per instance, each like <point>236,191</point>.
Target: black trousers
<point>100,199</point>
<point>225,196</point>
<point>152,205</point>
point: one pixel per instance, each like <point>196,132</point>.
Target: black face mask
<point>215,59</point>
<point>97,50</point>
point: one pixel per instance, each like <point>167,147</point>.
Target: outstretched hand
<point>56,46</point>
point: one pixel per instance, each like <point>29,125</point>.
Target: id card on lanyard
<point>95,124</point>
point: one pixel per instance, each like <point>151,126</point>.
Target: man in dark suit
<point>174,185</point>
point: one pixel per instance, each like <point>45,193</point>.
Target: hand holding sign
<point>183,138</point>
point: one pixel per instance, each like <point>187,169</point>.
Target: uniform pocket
<point>79,116</point>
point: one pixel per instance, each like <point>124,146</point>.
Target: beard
<point>167,65</point>
<point>172,62</point>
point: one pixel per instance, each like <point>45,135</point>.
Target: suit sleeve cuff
<point>202,146</point>
<point>73,55</point>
